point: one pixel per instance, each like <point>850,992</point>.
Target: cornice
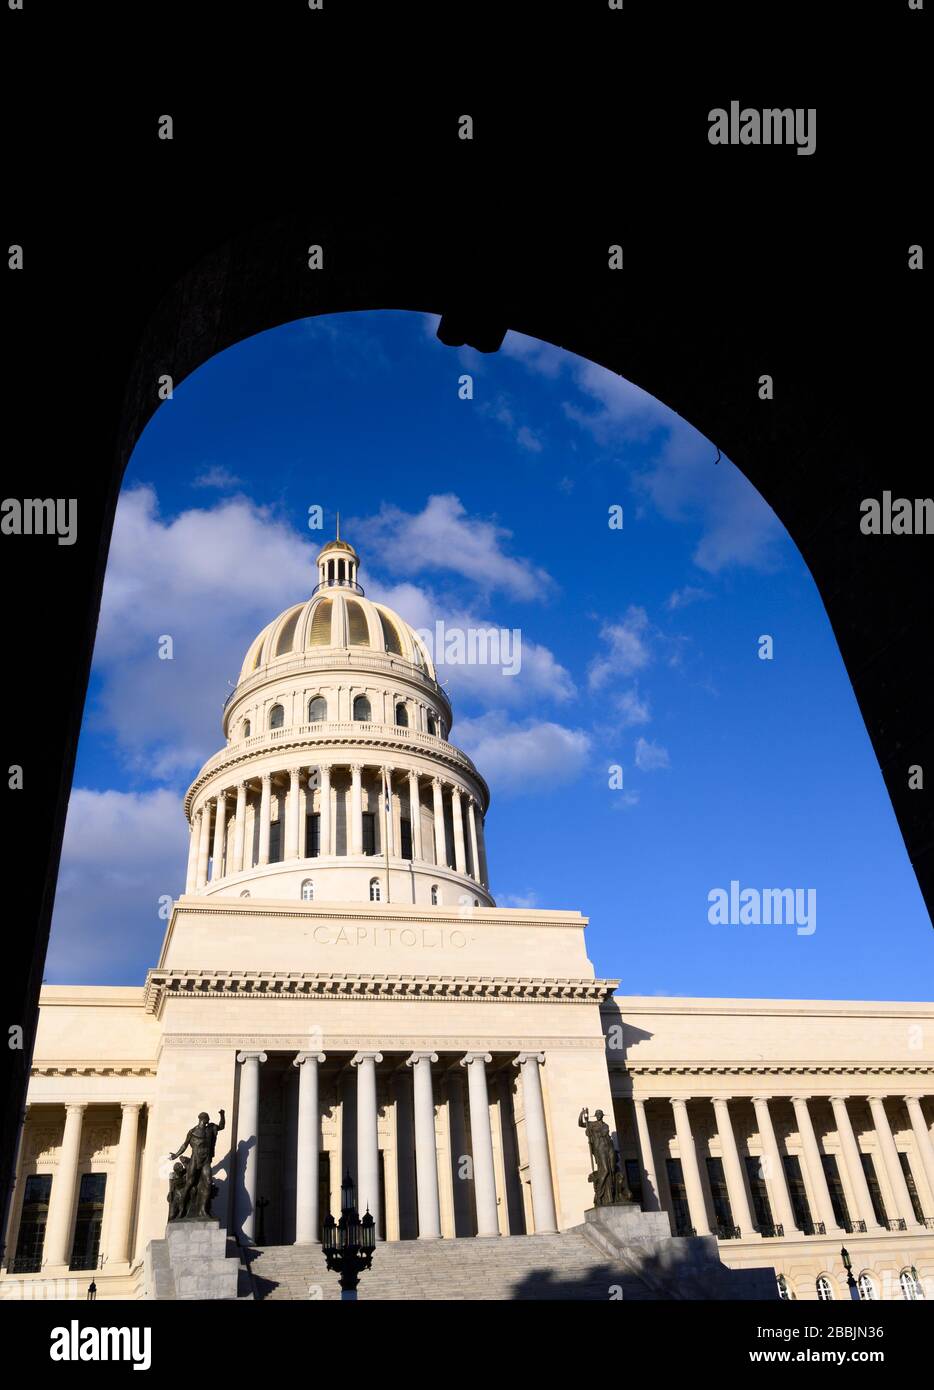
<point>684,1006</point>
<point>460,918</point>
<point>202,985</point>
<point>333,1043</point>
<point>68,1068</point>
<point>762,1068</point>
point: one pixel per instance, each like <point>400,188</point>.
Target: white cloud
<point>521,758</point>
<point>624,800</point>
<point>651,756</point>
<point>633,708</point>
<point>217,476</point>
<point>626,648</point>
<point>443,537</point>
<point>683,598</point>
<point>122,851</point>
<point>525,900</point>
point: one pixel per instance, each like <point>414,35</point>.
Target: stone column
<point>732,1168</point>
<point>118,1240</point>
<point>367,1134</point>
<point>481,1134</point>
<point>922,1138</point>
<point>689,1167</point>
<point>356,810</point>
<point>194,846</point>
<point>324,823</point>
<point>536,1134</point>
<point>472,829</point>
<point>239,827</point>
<point>248,1143</point>
<point>59,1230</point>
<point>426,1148</point>
<point>815,1167</point>
<point>650,1199</point>
<point>441,853</point>
<point>460,855</point>
<point>264,818</point>
<point>307,1216</point>
<point>484,867</point>
<point>854,1165</point>
<point>415,816</point>
<point>204,844</point>
<point>893,1168</point>
<point>220,831</point>
<point>782,1210</point>
<point>291,816</point>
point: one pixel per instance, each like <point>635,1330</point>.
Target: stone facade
<point>338,979</point>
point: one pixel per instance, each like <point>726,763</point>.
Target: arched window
<point>361,708</point>
<point>358,633</point>
<point>783,1290</point>
<point>317,709</point>
<point>824,1289</point>
<point>911,1284</point>
<point>402,715</point>
<point>276,717</point>
<point>320,634</point>
<point>435,895</point>
<point>246,728</point>
<point>308,891</point>
<point>287,635</point>
<point>432,724</point>
<point>476,902</point>
<point>867,1289</point>
<point>374,890</point>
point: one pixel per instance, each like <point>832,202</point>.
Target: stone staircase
<point>565,1266</point>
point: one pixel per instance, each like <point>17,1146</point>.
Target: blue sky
<point>640,650</point>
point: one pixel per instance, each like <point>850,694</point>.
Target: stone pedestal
<point>676,1267</point>
<point>190,1263</point>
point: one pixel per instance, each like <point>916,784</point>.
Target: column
<point>415,816</point>
<point>782,1212</point>
<point>324,812</point>
<point>220,827</point>
<point>472,830</point>
<point>650,1201</point>
<point>367,1134</point>
<point>264,821</point>
<point>689,1169</point>
<point>247,1144</point>
<point>307,1216</point>
<point>732,1168</point>
<point>460,856</point>
<point>59,1229</point>
<point>481,1135</point>
<point>239,826</point>
<point>815,1167</point>
<point>356,810</point>
<point>893,1168</point>
<point>194,846</point>
<point>426,1149</point>
<point>291,816</point>
<point>118,1240</point>
<point>441,853</point>
<point>484,868</point>
<point>204,844</point>
<point>858,1184</point>
<point>536,1134</point>
<point>922,1138</point>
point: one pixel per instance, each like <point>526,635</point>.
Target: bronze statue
<point>194,1192</point>
<point>177,1197</point>
<point>609,1183</point>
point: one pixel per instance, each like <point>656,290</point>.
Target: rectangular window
<point>31,1239</point>
<point>723,1212</point>
<point>312,836</point>
<point>405,835</point>
<point>760,1195</point>
<point>912,1189</point>
<point>634,1179</point>
<point>369,832</point>
<point>679,1198</point>
<point>875,1192</point>
<point>275,842</point>
<point>90,1214</point>
<point>798,1194</point>
<point>835,1187</point>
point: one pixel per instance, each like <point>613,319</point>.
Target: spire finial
<point>338,536</point>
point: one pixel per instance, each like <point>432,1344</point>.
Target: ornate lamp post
<point>348,1244</point>
<point>850,1281</point>
<point>92,1291</point>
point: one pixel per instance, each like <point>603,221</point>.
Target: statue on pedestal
<point>609,1183</point>
<point>191,1189</point>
